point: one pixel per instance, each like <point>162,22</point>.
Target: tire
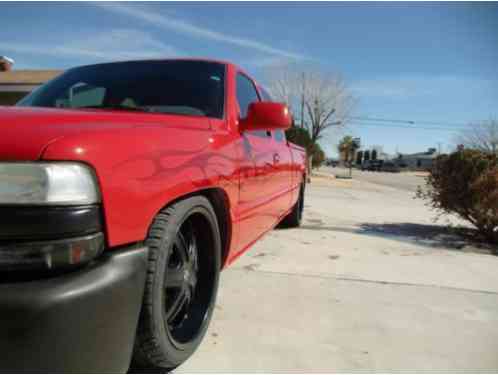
<point>293,219</point>
<point>181,286</point>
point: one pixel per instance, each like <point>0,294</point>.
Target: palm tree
<point>347,149</point>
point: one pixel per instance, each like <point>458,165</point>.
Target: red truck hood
<point>26,131</point>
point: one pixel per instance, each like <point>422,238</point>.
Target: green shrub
<point>466,183</point>
<point>301,137</point>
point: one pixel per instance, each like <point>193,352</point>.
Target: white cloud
<point>117,44</point>
<point>188,28</point>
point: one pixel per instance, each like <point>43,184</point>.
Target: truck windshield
<point>194,88</point>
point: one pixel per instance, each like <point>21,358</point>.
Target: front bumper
<point>80,322</point>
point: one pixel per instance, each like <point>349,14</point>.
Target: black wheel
<point>181,287</point>
<point>293,219</point>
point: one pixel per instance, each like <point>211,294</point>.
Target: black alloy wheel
<point>180,292</point>
<point>187,295</point>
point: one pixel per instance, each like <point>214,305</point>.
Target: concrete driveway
<point>367,283</point>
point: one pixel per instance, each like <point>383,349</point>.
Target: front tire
<point>182,283</point>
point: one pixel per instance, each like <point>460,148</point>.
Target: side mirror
<point>266,115</point>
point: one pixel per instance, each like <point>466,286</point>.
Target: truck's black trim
<point>81,322</point>
<point>45,222</point>
<point>25,257</point>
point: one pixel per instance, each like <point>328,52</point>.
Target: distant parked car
<point>390,167</point>
<point>332,163</point>
<point>372,165</point>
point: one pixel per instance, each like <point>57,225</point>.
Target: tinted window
<point>246,94</point>
<point>279,135</point>
<point>81,95</point>
<point>177,86</point>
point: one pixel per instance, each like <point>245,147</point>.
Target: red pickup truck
<point>124,189</point>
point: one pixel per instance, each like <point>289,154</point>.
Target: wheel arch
<point>221,204</point>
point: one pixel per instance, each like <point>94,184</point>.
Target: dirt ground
<point>368,282</point>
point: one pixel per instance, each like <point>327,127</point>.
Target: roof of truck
<point>166,59</point>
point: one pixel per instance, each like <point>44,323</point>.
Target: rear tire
<point>293,219</point>
<point>182,283</point>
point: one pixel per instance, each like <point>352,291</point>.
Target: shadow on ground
<point>133,370</point>
<point>428,235</point>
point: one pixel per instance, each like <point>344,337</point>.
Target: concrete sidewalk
<point>367,283</point>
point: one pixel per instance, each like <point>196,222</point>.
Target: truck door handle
<point>276,158</point>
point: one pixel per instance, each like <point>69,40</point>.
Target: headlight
<point>47,184</point>
<point>55,216</point>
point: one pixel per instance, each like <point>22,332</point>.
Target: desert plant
<point>466,183</point>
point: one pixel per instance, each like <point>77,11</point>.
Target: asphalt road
<point>403,181</point>
<point>368,283</point>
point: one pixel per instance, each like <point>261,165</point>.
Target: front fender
<point>141,169</point>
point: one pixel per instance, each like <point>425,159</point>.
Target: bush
<point>301,137</point>
<point>466,183</point>
<point>318,156</point>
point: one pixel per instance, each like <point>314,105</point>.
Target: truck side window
<point>279,135</point>
<point>246,94</point>
<point>81,95</point>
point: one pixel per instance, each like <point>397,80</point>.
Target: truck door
<point>283,168</point>
<point>257,185</point>
<point>282,160</point>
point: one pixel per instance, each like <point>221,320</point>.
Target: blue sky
<point>434,63</point>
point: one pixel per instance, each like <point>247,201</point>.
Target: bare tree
<point>328,103</point>
<point>322,100</point>
<point>481,136</point>
<point>283,84</point>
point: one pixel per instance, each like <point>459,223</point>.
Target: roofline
<point>16,87</point>
<point>201,59</point>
